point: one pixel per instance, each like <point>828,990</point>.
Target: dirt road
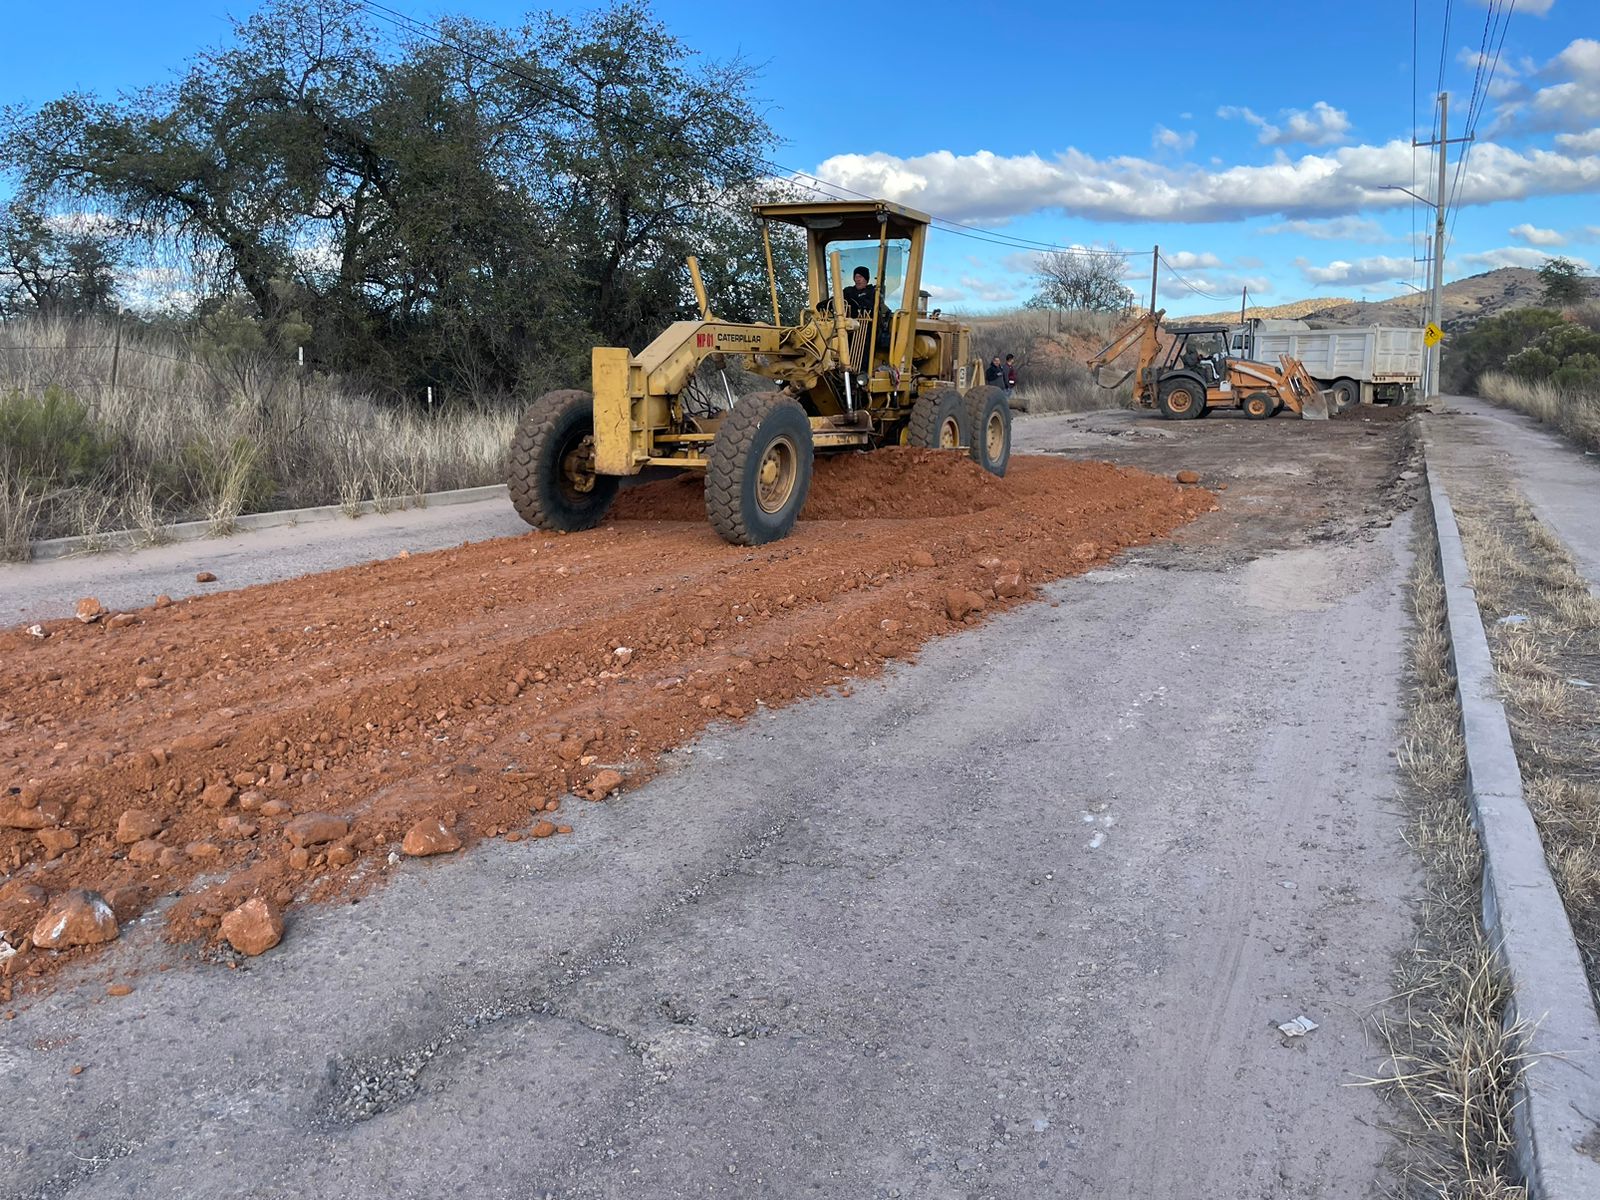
<point>1015,919</point>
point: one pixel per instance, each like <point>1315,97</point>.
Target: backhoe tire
<point>551,478</point>
<point>1181,399</point>
<point>939,420</point>
<point>989,428</point>
<point>1343,394</point>
<point>760,469</point>
<point>1260,406</point>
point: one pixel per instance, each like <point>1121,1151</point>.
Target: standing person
<point>1011,375</point>
<point>994,374</point>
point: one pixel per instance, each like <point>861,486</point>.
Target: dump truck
<point>1359,365</point>
<point>1193,374</point>
<point>844,379</point>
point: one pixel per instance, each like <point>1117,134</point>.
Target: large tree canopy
<point>464,205</point>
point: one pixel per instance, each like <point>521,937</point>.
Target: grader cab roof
<point>846,220</point>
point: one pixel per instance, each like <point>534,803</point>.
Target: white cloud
<point>1338,229</point>
<point>1587,142</point>
<point>1321,126</point>
<point>990,291</point>
<point>988,187</point>
<point>1571,105</point>
<point>1170,139</point>
<point>1188,260</point>
<point>1533,8</point>
<point>1380,268</point>
<point>1535,236</point>
<point>1509,256</point>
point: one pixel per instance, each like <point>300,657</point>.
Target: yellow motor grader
<point>1194,374</point>
<point>848,375</point>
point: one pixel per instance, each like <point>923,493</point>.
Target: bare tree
<point>1081,279</point>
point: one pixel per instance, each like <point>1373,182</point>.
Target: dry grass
<point>1575,414</point>
<point>1051,348</point>
<point>1542,667</point>
<point>195,434</point>
<point>1453,1063</point>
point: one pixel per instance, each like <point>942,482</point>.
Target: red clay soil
<point>489,685</point>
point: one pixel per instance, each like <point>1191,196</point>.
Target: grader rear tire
<point>551,478</point>
<point>939,421</point>
<point>989,425</point>
<point>759,470</point>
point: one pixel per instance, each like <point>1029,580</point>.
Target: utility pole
<point>1436,307</point>
<point>1155,265</point>
<point>1244,298</point>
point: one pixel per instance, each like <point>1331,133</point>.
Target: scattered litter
<point>1513,619</point>
<point>37,631</point>
<point>1298,1027</point>
<point>6,950</point>
<point>1580,683</point>
<point>1287,886</point>
<point>1097,841</point>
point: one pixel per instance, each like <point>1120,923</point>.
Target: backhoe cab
<point>842,380</point>
<point>1192,374</point>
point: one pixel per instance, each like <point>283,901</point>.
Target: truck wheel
<point>760,469</point>
<point>989,420</point>
<point>552,479</point>
<point>1342,393</point>
<point>1181,399</point>
<point>1259,406</point>
<point>939,420</point>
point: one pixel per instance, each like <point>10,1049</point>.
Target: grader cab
<point>1193,375</point>
<point>847,376</point>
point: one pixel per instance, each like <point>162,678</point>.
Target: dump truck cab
<point>842,381</point>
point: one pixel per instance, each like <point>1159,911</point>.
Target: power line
<point>1196,290</point>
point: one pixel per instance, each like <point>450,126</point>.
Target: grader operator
<point>853,369</point>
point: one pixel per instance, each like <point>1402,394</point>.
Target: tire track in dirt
<point>486,686</point>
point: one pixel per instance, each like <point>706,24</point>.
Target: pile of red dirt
<point>486,686</point>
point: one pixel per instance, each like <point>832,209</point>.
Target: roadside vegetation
<point>1542,361</point>
<point>1452,1061</point>
<point>1544,634</point>
<point>194,430</point>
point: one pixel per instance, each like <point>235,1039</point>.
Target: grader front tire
<point>759,471</point>
<point>551,479</point>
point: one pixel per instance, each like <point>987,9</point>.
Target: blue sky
<point>1094,123</point>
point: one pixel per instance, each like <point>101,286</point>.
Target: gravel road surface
<point>1016,920</point>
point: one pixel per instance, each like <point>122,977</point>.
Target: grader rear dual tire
<point>551,477</point>
<point>939,421</point>
<point>759,472</point>
<point>989,428</point>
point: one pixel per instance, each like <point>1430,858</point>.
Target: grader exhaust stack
<point>850,372</point>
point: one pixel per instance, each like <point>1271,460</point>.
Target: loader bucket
<point>1313,401</point>
<point>1314,407</point>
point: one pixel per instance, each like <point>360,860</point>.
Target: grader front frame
<point>846,380</point>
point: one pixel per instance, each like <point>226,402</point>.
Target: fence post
<point>116,357</point>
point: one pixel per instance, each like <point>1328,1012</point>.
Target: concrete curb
<point>191,531</point>
<point>1558,1116</point>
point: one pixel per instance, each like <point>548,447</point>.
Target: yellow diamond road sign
<point>1432,334</point>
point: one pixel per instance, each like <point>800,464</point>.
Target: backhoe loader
<point>845,379</point>
<point>1194,375</point>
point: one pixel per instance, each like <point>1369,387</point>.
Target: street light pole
<point>1438,249</point>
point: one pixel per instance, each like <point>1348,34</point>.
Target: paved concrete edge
<point>1558,1116</point>
<point>191,531</point>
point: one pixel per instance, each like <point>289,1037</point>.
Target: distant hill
<point>1466,302</point>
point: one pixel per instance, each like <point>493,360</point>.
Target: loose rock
<point>428,837</point>
<point>146,852</point>
<point>57,842</point>
<point>313,829</point>
<point>135,825</point>
<point>1187,476</point>
<point>959,603</point>
<point>205,577</point>
<point>254,927</point>
<point>90,610</point>
<point>77,917</point>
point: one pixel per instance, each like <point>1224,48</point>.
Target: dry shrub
<point>1576,414</point>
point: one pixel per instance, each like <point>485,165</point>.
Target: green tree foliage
<point>1487,345</point>
<point>64,267</point>
<point>471,210</point>
<point>1564,281</point>
<point>1565,355</point>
